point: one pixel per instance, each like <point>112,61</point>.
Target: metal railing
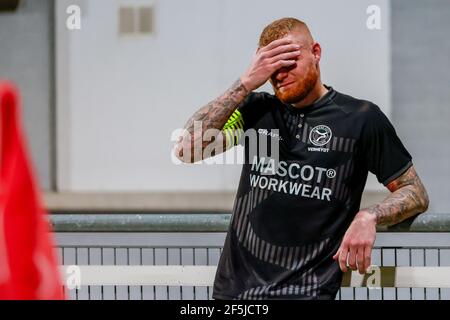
<point>183,255</point>
<point>202,222</point>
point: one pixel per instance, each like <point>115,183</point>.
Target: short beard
<point>300,89</point>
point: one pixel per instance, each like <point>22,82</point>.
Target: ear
<point>317,51</point>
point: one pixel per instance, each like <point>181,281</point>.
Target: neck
<point>316,93</point>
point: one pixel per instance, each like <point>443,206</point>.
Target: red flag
<point>28,265</point>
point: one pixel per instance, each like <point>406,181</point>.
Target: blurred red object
<point>28,265</point>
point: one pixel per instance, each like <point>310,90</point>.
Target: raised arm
<point>408,198</point>
<point>212,117</point>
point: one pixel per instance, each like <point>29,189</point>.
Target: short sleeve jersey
<point>295,201</point>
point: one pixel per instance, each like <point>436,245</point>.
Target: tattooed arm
<point>408,198</point>
<point>191,145</point>
<point>212,117</point>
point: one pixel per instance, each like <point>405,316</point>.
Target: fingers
<point>343,252</point>
<point>336,255</point>
<point>360,260</point>
<point>286,56</point>
<point>276,43</point>
<point>367,257</point>
<point>282,49</point>
<point>282,59</point>
<point>281,53</point>
<point>282,64</point>
<point>352,257</point>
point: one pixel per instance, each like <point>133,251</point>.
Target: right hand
<point>278,54</point>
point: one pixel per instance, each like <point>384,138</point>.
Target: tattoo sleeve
<point>211,117</point>
<point>408,198</point>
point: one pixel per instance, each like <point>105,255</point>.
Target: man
<point>296,224</point>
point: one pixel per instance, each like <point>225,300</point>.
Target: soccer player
<point>297,224</point>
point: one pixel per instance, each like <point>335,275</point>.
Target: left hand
<point>357,243</point>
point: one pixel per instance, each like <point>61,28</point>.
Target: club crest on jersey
<point>320,136</point>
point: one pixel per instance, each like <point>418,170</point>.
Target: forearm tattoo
<point>213,116</point>
<point>407,199</point>
<point>216,113</point>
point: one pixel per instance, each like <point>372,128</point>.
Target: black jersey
<point>290,213</point>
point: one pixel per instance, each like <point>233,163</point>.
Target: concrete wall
<point>26,57</point>
<point>421,90</point>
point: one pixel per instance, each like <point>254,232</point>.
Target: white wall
<point>119,99</point>
<point>421,92</point>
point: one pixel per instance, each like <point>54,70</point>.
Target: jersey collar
<point>322,101</point>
